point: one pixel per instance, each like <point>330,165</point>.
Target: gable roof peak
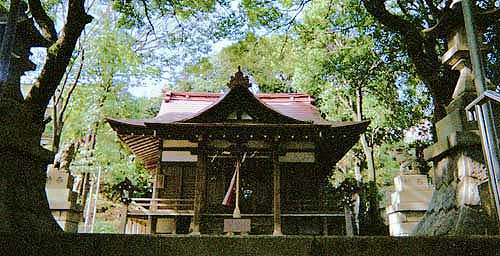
<point>239,81</point>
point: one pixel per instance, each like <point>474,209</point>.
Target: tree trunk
<point>7,42</point>
<point>23,162</point>
<point>367,149</point>
<point>374,219</point>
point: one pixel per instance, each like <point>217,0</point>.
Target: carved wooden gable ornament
<point>239,104</point>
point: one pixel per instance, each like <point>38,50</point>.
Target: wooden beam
<point>147,152</point>
<point>145,144</point>
<point>135,139</point>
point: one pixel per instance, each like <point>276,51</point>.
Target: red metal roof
<point>178,106</point>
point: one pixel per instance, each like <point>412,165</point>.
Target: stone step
<point>411,206</point>
<point>399,217</point>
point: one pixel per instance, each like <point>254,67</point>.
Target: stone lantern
<point>461,203</point>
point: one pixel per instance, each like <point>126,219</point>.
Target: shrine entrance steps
<point>104,244</point>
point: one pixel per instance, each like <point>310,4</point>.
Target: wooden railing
<point>163,204</point>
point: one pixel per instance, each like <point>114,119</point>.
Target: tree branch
<point>146,13</point>
<point>433,9</point>
<point>422,51</point>
<point>43,20</point>
<point>72,88</point>
<point>58,57</point>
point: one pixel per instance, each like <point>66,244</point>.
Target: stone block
<point>59,195</point>
<point>68,226</point>
<point>166,226</point>
<point>444,172</point>
<point>468,166</point>
<point>396,217</point>
<point>457,48</point>
<point>451,123</point>
<point>411,182</point>
<point>60,205</point>
<point>237,226</point>
<point>58,179</point>
<point>465,83</point>
<point>68,215</point>
<point>403,229</point>
<point>468,192</point>
<point>435,150</point>
<point>407,196</point>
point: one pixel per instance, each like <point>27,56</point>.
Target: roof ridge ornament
<point>239,80</point>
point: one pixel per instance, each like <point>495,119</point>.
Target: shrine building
<point>236,162</point>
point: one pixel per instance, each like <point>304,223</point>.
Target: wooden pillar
<point>322,203</point>
<point>276,194</point>
<point>199,190</point>
<point>153,206</point>
<point>151,223</point>
<point>321,169</point>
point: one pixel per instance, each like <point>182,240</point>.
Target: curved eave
<point>129,126</point>
<point>333,141</point>
<point>143,136</point>
<point>139,139</point>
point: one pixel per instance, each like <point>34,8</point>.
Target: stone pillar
<point>122,227</point>
<point>199,191</point>
<point>62,200</point>
<point>276,195</point>
<point>461,204</point>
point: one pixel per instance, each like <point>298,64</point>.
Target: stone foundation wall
<point>102,244</point>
